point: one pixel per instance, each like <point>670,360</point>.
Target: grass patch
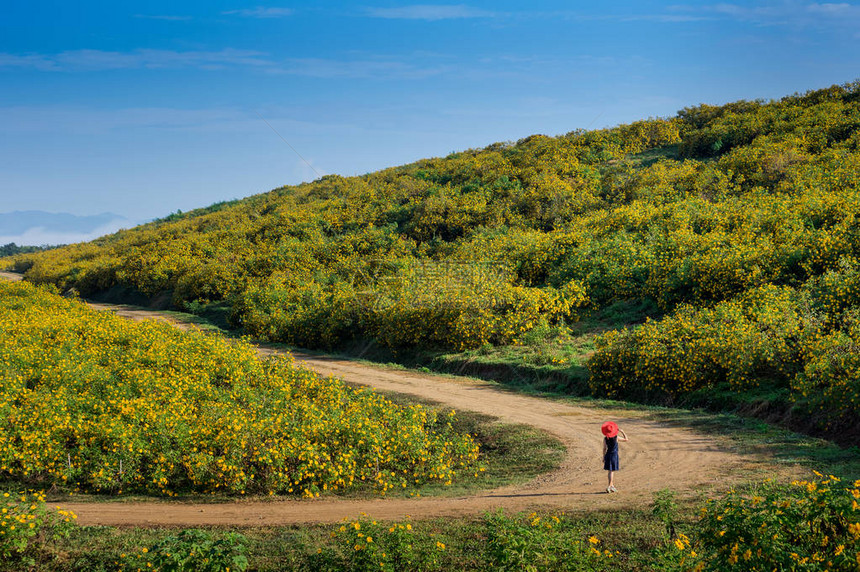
<point>622,540</point>
<point>470,543</point>
<point>513,453</point>
<point>214,315</point>
<point>651,156</point>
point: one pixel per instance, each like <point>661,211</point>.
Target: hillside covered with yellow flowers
<point>97,403</point>
<point>737,223</point>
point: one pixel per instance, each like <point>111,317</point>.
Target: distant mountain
<point>40,227</point>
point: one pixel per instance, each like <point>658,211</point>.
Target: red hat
<point>610,429</point>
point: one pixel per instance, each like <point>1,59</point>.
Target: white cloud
<point>430,12</point>
<point>166,18</point>
<point>378,67</point>
<point>767,14</point>
<point>664,18</point>
<point>100,60</point>
<point>86,120</point>
<point>841,10</point>
<point>31,61</point>
<point>40,236</point>
<point>781,12</point>
<point>261,12</point>
<point>355,69</point>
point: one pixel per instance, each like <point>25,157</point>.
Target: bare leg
<point>611,478</point>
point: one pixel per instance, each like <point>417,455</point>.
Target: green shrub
<point>745,342</point>
<point>192,551</point>
<point>366,544</point>
<point>26,526</point>
<point>829,385</point>
<point>808,525</point>
<point>664,508</point>
<point>530,542</point>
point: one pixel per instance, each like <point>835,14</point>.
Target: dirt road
<point>657,456</point>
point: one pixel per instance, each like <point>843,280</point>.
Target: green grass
<point>639,539</point>
<point>214,315</point>
<point>512,453</point>
<point>651,156</point>
<point>632,534</point>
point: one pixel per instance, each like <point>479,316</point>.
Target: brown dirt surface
<point>658,456</point>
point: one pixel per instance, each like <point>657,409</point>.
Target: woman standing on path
<point>610,451</point>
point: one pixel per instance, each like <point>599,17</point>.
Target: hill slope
<point>738,223</point>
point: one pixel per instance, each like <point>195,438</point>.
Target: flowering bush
<point>370,545</point>
<point>741,342</point>
<point>92,401</point>
<point>809,525</point>
<point>532,542</point>
<point>26,524</point>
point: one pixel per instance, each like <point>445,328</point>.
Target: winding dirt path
<point>657,456</point>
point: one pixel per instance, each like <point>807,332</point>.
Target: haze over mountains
<point>37,228</point>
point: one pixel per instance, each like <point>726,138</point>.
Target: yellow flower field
<point>93,402</point>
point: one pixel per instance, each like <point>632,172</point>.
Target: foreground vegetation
<point>735,224</point>
<point>809,525</point>
<point>92,402</point>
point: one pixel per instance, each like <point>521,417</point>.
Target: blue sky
<point>143,108</point>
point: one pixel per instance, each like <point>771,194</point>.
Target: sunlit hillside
<point>738,224</point>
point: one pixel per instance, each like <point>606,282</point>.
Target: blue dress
<point>610,459</point>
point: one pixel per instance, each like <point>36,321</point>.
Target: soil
<point>657,456</point>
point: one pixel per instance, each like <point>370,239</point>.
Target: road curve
<point>658,456</point>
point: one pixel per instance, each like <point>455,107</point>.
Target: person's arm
<point>604,447</point>
<point>623,436</point>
